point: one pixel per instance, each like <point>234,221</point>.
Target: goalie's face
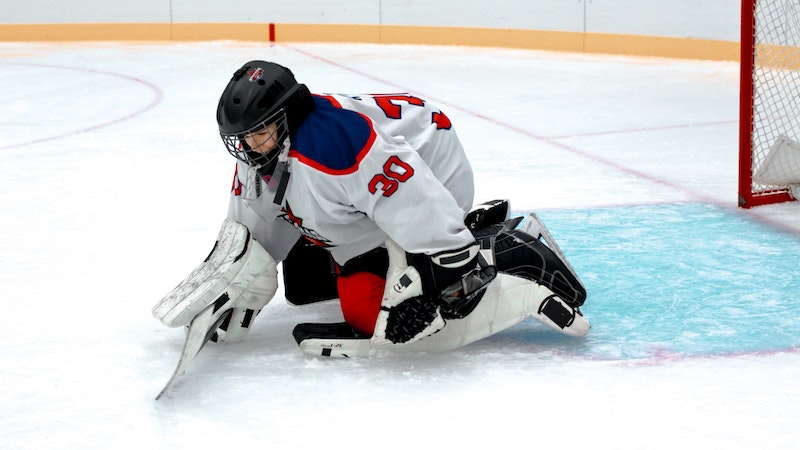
<point>264,140</point>
<point>260,145</point>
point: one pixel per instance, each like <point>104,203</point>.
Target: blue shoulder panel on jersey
<point>333,139</point>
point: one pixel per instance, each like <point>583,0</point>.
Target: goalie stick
<point>230,287</point>
<point>200,331</point>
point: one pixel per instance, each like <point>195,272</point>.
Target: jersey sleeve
<point>395,188</point>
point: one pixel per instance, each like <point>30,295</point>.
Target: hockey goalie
<point>367,199</point>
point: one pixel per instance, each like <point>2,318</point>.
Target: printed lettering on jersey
<point>311,235</point>
<point>442,121</point>
<point>392,110</point>
<point>395,171</point>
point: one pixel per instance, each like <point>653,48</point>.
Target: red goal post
<point>769,106</point>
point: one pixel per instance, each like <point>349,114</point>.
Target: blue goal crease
<point>685,279</point>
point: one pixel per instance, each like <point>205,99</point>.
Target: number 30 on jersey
<point>395,171</point>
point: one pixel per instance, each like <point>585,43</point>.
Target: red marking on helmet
<point>255,74</point>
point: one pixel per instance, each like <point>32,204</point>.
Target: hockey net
<point>769,153</point>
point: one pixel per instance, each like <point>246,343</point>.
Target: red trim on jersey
<point>237,185</point>
<point>361,153</point>
<point>329,98</point>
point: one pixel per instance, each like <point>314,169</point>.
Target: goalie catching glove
<point>422,291</point>
<point>238,275</point>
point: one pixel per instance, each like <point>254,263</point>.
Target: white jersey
<point>363,169</point>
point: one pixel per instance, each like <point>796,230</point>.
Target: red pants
<point>360,295</point>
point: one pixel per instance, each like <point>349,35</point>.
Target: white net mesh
<point>781,166</point>
<point>776,82</point>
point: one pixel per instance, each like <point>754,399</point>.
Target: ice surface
<point>114,185</point>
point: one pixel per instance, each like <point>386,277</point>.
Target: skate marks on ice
<point>675,281</point>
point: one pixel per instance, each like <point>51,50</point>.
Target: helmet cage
<point>257,157</point>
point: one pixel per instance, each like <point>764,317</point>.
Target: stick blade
<point>201,329</point>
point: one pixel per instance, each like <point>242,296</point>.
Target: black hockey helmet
<point>259,94</point>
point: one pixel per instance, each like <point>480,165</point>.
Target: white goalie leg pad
<point>558,315</point>
<point>508,301</point>
<point>238,273</point>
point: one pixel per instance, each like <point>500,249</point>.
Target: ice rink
<point>114,183</point>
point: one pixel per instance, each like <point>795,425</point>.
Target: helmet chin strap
<point>281,180</point>
<point>281,174</point>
